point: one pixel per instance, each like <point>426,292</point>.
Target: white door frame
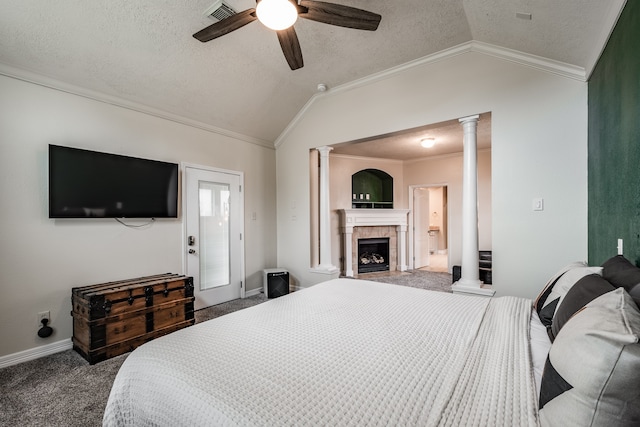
<point>419,232</point>
<point>185,247</point>
<point>412,238</point>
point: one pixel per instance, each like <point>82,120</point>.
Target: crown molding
<point>442,156</point>
<point>365,158</point>
<point>532,61</point>
<point>50,83</point>
<point>406,162</point>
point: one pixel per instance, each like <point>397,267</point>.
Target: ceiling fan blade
<point>291,47</point>
<point>226,26</point>
<point>342,16</point>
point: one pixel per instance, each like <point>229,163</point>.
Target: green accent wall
<point>614,143</point>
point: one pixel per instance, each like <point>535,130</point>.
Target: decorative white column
<point>401,230</point>
<point>469,282</point>
<point>325,214</point>
<point>314,209</point>
<point>348,250</point>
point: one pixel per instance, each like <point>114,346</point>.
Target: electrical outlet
<point>43,315</point>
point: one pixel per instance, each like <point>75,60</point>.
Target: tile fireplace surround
<point>366,223</point>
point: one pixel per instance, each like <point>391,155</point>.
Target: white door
<point>421,227</point>
<point>213,209</point>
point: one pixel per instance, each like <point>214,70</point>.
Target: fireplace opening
<point>373,255</point>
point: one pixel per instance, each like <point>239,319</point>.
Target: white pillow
<point>540,343</point>
<point>592,374</point>
<point>559,289</point>
<point>553,279</point>
<point>567,280</point>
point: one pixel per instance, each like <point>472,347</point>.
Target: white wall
<point>42,259</point>
<point>539,149</point>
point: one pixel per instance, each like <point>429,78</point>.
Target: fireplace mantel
<point>373,217</point>
<point>350,218</point>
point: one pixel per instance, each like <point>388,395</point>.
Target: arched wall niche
<point>371,188</point>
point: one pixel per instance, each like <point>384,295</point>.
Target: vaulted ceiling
<point>142,54</point>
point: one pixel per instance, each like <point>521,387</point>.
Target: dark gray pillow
<point>547,312</point>
<point>582,293</point>
<point>622,274</point>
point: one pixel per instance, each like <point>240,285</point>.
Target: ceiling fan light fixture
<point>277,14</point>
<point>428,142</point>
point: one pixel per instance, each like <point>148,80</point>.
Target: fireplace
<point>373,255</point>
<point>363,224</point>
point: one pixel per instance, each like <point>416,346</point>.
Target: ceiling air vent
<point>219,11</point>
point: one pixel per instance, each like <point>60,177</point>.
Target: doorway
<point>429,240</point>
<point>214,249</point>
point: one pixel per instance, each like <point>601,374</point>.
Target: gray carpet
<point>64,390</point>
<point>415,278</point>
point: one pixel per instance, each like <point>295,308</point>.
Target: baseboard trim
<point>35,353</point>
<point>252,292</point>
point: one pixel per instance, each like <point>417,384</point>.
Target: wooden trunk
<point>113,318</point>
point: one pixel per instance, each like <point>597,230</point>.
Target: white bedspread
<point>344,352</point>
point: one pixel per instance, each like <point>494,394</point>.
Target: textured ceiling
<point>448,137</point>
<point>143,51</point>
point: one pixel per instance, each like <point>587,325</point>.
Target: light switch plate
<point>538,204</point>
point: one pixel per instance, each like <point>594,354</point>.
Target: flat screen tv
<point>90,184</point>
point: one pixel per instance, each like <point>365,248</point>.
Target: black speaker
<point>276,282</point>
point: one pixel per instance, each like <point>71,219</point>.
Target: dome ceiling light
<point>276,14</point>
<point>428,142</point>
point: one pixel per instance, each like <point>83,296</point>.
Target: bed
<point>344,353</point>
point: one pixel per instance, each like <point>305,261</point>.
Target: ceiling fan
<point>280,15</point>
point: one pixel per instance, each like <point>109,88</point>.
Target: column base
<point>463,288</point>
<point>325,269</point>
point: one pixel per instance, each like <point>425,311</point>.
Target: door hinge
<point>240,236</point>
<point>241,284</point>
<point>240,188</point>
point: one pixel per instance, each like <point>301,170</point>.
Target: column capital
<point>324,150</point>
<point>473,118</point>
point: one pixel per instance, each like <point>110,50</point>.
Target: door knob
<point>192,251</point>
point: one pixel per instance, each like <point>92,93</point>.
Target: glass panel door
<point>213,211</point>
<point>214,234</point>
